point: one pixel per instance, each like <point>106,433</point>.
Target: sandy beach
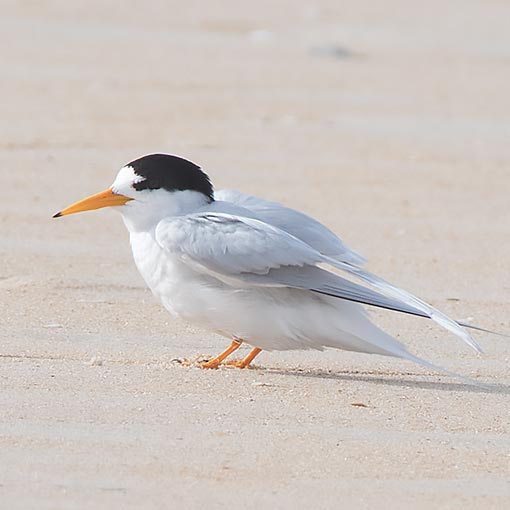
<point>389,122</point>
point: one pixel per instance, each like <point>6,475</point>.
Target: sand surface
<point>389,121</point>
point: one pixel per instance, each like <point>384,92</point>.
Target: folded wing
<point>229,245</point>
<point>296,223</point>
<point>247,251</point>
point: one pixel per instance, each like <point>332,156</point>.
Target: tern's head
<point>149,189</point>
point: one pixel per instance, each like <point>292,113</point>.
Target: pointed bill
<point>105,198</point>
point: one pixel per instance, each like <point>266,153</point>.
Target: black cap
<point>165,171</point>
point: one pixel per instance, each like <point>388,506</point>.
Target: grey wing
<point>324,282</point>
<point>402,296</point>
<point>229,245</point>
<point>245,251</point>
<point>295,223</point>
<point>238,249</point>
<point>324,241</point>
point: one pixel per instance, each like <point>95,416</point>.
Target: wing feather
<point>230,245</point>
<point>324,282</point>
<point>255,253</point>
<point>296,223</point>
<point>409,299</point>
<point>248,250</point>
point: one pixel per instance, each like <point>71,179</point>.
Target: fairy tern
<point>250,269</point>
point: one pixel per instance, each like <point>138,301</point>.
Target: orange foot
<point>212,363</point>
<point>245,362</point>
<point>215,362</point>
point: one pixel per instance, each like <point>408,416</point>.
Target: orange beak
<point>106,198</point>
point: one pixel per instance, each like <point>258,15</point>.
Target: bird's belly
<point>269,318</point>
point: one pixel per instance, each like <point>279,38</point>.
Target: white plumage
<point>252,269</point>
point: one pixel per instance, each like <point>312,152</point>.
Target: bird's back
<point>291,221</point>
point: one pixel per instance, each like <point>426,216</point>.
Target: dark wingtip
<point>478,328</point>
<point>57,215</point>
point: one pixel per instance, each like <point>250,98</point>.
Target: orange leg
<point>215,362</point>
<point>245,362</point>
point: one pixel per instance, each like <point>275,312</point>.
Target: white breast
<point>181,290</point>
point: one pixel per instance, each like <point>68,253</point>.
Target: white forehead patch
<point>126,178</point>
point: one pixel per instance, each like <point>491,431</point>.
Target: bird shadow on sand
<point>396,379</point>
